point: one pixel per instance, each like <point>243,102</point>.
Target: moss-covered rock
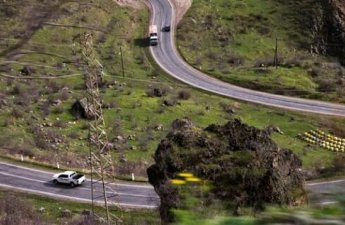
<point>244,165</point>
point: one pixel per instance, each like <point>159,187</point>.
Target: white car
<point>71,178</point>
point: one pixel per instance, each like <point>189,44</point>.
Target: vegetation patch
<point>21,209</point>
<point>41,77</point>
<point>238,45</point>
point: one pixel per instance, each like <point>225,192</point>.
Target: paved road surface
<point>166,56</point>
<point>39,182</point>
<point>326,192</point>
<point>143,196</point>
<point>128,195</point>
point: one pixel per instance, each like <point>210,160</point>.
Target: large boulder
<point>329,28</point>
<point>244,165</point>
<point>81,109</point>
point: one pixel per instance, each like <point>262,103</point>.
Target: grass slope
<point>29,206</point>
<point>235,41</point>
<point>35,117</point>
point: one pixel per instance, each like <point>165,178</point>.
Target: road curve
<point>28,180</point>
<point>39,182</point>
<point>167,57</point>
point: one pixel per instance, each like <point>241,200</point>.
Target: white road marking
<point>325,182</point>
<point>26,168</point>
<point>73,198</point>
<point>328,203</point>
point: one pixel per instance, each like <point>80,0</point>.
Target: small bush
<point>155,91</point>
<point>268,61</point>
<point>64,95</point>
<point>60,124</point>
<point>160,110</point>
<point>17,89</point>
<point>339,163</point>
<point>326,86</point>
<point>58,110</point>
<point>17,113</point>
<point>86,220</point>
<point>315,72</point>
<point>227,107</point>
<point>45,109</point>
<point>183,95</point>
<point>85,126</point>
<point>23,100</point>
<point>234,60</point>
<point>15,211</point>
<point>170,102</point>
<point>293,62</point>
<point>53,87</point>
<point>144,140</point>
<point>73,135</point>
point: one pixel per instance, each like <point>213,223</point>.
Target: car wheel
<point>55,182</point>
<point>71,184</point>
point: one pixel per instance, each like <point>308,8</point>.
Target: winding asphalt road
<point>143,196</point>
<point>167,57</point>
<point>39,182</point>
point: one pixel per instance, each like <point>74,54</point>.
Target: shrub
<point>170,102</point>
<point>160,110</point>
<point>183,94</point>
<point>53,86</point>
<point>58,110</point>
<point>339,163</point>
<point>59,123</point>
<point>64,95</point>
<point>155,91</point>
<point>267,61</point>
<point>85,126</point>
<point>86,220</point>
<point>17,113</point>
<point>227,107</point>
<point>45,109</point>
<point>15,211</point>
<point>293,62</point>
<point>234,60</point>
<point>22,99</point>
<point>315,72</point>
<point>17,89</point>
<point>73,135</point>
<point>326,86</point>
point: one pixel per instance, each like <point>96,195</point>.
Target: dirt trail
<point>137,4</point>
<point>181,7</point>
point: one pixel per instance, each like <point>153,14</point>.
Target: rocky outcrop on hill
<point>244,165</point>
<point>81,109</point>
<point>329,28</point>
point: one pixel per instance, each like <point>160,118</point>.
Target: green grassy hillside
<point>235,41</point>
<point>36,43</point>
<point>20,209</point>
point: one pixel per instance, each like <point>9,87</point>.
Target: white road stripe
<point>325,182</point>
<point>26,168</point>
<point>328,203</point>
<point>73,198</point>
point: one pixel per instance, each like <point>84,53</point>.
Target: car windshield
<point>73,175</point>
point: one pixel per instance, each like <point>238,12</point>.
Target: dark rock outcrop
<point>27,71</point>
<point>81,109</point>
<point>244,165</point>
<point>329,28</point>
